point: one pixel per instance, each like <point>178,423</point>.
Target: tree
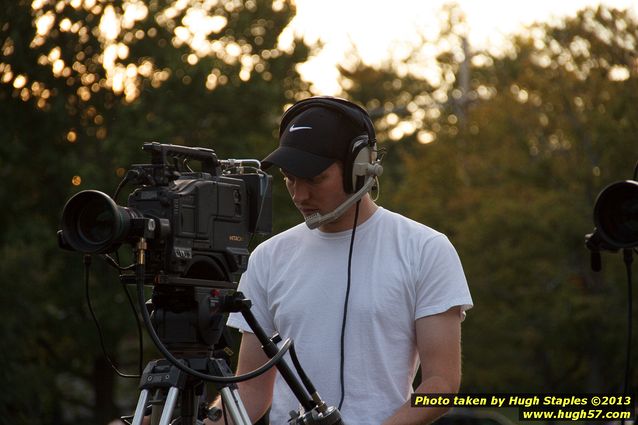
<point>517,147</point>
<point>550,144</point>
<point>82,85</point>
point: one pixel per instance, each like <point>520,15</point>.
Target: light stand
<point>616,221</point>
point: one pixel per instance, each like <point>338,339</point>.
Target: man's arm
<point>256,393</point>
<point>439,344</point>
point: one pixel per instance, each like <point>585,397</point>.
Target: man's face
<point>321,194</point>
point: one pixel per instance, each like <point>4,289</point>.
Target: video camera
<point>197,226</point>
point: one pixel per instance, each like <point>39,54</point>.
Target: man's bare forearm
<point>408,415</point>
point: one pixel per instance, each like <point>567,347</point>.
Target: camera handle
<point>316,412</point>
<point>268,344</point>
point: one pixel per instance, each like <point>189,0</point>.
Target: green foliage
<point>76,105</point>
<point>522,145</point>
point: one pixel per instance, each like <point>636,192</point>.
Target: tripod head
<point>187,319</point>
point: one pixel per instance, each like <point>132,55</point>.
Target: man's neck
<point>367,207</point>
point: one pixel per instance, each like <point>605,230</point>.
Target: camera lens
<point>93,223</point>
<point>616,214</point>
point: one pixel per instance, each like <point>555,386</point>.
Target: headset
<point>361,163</point>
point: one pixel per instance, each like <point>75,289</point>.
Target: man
<point>364,303</point>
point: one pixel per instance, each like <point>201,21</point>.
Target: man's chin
<point>308,212</point>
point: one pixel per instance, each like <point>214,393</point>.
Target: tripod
<point>174,387</point>
<point>188,321</point>
<point>200,308</point>
<point>171,376</point>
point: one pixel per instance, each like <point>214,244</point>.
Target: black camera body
<point>209,225</point>
<point>193,229</point>
<point>197,225</point>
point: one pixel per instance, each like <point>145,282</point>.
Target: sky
<point>375,26</point>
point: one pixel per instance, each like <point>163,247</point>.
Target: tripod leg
<point>169,406</point>
<point>141,408</point>
<point>234,406</point>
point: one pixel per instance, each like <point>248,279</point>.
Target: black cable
<point>302,374</point>
<point>130,175</point>
<point>628,259</point>
<point>345,308</point>
<point>115,263</point>
<point>140,334</point>
<point>138,323</point>
<point>87,264</point>
<point>169,356</point>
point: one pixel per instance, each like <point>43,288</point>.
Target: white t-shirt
<point>401,271</point>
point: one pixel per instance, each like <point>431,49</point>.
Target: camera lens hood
<point>93,223</point>
<point>616,214</point>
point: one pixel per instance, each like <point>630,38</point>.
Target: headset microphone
<point>373,171</point>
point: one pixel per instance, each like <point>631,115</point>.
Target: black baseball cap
<point>312,141</point>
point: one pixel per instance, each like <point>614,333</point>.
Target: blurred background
<point>501,125</point>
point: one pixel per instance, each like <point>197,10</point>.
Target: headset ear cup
<point>359,153</point>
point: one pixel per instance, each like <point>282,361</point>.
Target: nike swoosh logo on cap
<point>293,128</point>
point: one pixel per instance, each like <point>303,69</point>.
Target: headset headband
<point>353,111</point>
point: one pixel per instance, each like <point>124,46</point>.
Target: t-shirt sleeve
<point>440,280</point>
<point>251,285</point>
